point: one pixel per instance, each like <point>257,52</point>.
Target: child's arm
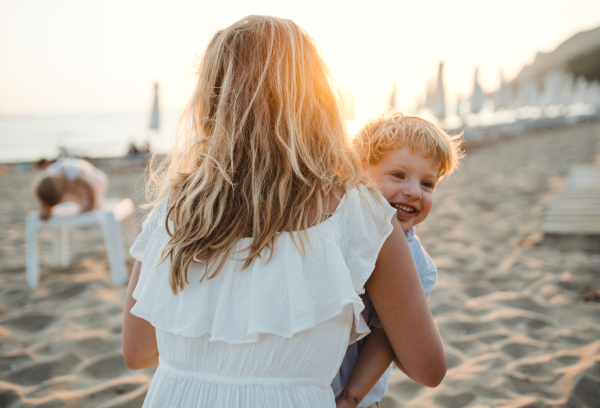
<point>375,357</point>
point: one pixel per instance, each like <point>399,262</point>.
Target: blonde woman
<point>264,233</point>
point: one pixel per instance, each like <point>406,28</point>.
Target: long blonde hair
<point>261,147</point>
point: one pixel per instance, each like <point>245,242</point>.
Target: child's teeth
<point>404,209</point>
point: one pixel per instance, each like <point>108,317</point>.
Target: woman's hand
<point>139,336</point>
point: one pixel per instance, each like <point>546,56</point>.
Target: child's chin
<point>407,224</point>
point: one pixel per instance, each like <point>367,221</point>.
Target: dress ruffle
<point>284,296</point>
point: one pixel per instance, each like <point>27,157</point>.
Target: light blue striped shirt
<point>427,275</point>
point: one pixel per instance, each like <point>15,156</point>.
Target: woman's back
<point>273,334</point>
<point>235,312</point>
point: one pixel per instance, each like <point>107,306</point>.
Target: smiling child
<point>406,157</point>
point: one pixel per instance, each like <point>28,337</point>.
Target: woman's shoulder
<point>363,204</point>
<point>159,208</point>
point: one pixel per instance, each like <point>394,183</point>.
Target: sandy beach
<point>510,307</point>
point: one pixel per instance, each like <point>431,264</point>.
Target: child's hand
<point>344,400</point>
<point>344,403</point>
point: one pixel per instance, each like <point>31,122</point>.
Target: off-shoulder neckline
<point>335,214</point>
<point>331,218</point>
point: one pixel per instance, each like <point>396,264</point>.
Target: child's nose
<point>413,191</point>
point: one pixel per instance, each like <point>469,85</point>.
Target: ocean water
<point>31,138</point>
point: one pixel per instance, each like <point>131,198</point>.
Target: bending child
<point>70,179</point>
<point>406,157</point>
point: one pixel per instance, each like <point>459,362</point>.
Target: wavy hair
<point>388,132</point>
<point>261,147</point>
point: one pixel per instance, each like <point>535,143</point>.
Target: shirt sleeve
<point>369,313</point>
<point>425,266</point>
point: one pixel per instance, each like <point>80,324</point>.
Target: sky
<point>90,56</point>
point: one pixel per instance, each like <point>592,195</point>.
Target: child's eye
<point>428,184</point>
<point>398,175</point>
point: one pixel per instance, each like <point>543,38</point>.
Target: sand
<point>509,306</point>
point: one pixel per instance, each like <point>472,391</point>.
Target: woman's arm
<point>139,336</point>
<point>375,357</point>
<point>401,305</point>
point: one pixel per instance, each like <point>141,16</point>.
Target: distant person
<point>406,157</point>
<point>264,232</point>
<point>70,179</point>
<point>42,163</point>
<point>133,150</point>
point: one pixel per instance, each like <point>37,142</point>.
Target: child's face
<point>407,180</point>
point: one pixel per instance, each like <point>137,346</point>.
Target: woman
<point>264,232</point>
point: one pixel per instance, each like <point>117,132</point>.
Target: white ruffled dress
<point>272,335</point>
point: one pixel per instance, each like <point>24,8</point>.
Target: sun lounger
<point>113,212</point>
<point>573,215</point>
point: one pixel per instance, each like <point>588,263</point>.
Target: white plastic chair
<point>113,212</point>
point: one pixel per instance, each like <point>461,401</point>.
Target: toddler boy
<point>406,157</point>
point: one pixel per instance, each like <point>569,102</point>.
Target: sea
<point>25,139</point>
<point>32,138</point>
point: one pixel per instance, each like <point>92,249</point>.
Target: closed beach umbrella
<point>528,91</point>
<point>566,90</point>
<point>552,88</point>
<point>581,89</point>
<point>504,94</point>
<point>430,96</point>
<point>439,98</point>
<point>593,94</point>
<point>477,97</point>
<point>154,121</point>
<point>392,101</point>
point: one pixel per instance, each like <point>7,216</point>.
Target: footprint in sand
<point>44,370</point>
<point>9,363</point>
<point>405,389</point>
<point>518,350</point>
<point>8,396</point>
<point>67,291</point>
<point>109,365</point>
<point>30,321</point>
<point>459,400</point>
<point>114,394</point>
<point>92,346</point>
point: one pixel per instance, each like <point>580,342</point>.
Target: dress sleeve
<point>148,227</point>
<point>361,232</point>
<point>368,225</point>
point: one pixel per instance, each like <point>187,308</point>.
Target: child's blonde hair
<point>384,133</point>
<point>261,147</point>
<point>50,189</point>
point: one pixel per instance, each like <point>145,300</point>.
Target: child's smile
<point>407,180</point>
<point>405,211</point>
